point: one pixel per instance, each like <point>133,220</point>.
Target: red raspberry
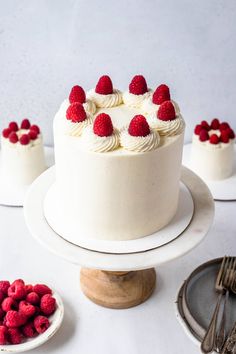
<point>25,124</point>
<point>166,111</point>
<point>26,308</point>
<point>33,298</point>
<point>139,126</point>
<point>14,336</point>
<point>28,330</point>
<point>203,136</point>
<point>35,128</point>
<point>48,304</point>
<point>42,289</point>
<point>138,85</point>
<point>32,135</point>
<point>9,304</point>
<point>215,124</point>
<point>214,139</point>
<point>104,85</point>
<point>24,139</point>
<point>4,285</point>
<point>18,281</point>
<point>77,94</point>
<point>17,291</point>
<point>76,113</point>
<point>28,288</point>
<point>230,133</point>
<point>197,129</point>
<point>224,137</point>
<point>13,126</point>
<point>6,132</point>
<point>13,138</point>
<point>161,94</point>
<point>224,126</point>
<point>205,125</point>
<point>15,319</point>
<point>41,324</point>
<point>103,125</point>
<point>2,314</point>
<point>3,335</point>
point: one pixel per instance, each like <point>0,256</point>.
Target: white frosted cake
<point>117,164</point>
<point>22,154</point>
<point>212,154</point>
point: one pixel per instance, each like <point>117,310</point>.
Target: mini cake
<point>212,154</point>
<point>22,154</point>
<point>118,179</point>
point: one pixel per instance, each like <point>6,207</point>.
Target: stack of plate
<point>197,298</point>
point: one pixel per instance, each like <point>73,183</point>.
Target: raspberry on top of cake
<point>25,134</point>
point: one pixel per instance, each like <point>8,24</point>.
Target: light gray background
<point>46,46</point>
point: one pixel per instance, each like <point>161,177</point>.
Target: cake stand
<point>126,279</point>
<point>223,190</point>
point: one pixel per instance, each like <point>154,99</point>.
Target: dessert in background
<point>212,154</point>
<point>22,154</point>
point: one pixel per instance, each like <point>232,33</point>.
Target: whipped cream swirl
<point>89,106</point>
<point>76,128</point>
<point>139,143</point>
<point>135,101</point>
<point>97,143</point>
<point>105,101</point>
<point>151,108</point>
<point>167,128</point>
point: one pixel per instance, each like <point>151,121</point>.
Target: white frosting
<point>89,106</point>
<point>93,142</point>
<point>136,101</point>
<point>76,128</point>
<point>167,128</point>
<point>151,108</point>
<point>111,100</point>
<point>139,143</point>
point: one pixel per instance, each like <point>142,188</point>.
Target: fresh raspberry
<point>6,132</point>
<point>33,298</point>
<point>224,126</point>
<point>77,94</point>
<point>2,314</point>
<point>139,126</point>
<point>13,126</point>
<point>203,136</point>
<point>26,308</point>
<point>138,85</point>
<point>24,139</point>
<point>28,330</point>
<point>3,335</point>
<point>197,129</point>
<point>25,124</point>
<point>4,285</point>
<point>214,139</point>
<point>103,125</point>
<point>205,125</point>
<point>166,111</point>
<point>161,94</point>
<point>230,133</point>
<point>42,289</point>
<point>215,124</point>
<point>17,291</point>
<point>32,135</point>
<point>18,281</point>
<point>13,138</point>
<point>104,85</point>
<point>28,288</point>
<point>48,304</point>
<point>15,319</point>
<point>35,128</point>
<point>14,336</point>
<point>2,296</point>
<point>9,304</point>
<point>76,113</point>
<point>41,324</point>
<point>224,137</point>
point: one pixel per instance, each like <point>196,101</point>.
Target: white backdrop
<point>46,46</point>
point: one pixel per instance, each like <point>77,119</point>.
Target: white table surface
<point>87,328</point>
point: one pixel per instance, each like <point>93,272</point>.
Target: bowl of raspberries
<point>29,315</point>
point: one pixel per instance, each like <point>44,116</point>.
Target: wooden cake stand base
<point>117,290</point>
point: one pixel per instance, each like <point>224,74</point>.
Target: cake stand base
<point>117,290</point>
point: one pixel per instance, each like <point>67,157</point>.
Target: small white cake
<point>22,154</point>
<point>212,154</point>
<point>117,178</point>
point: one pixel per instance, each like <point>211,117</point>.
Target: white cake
<point>22,154</point>
<point>212,154</point>
<point>115,180</point>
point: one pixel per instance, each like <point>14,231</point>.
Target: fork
<point>208,342</point>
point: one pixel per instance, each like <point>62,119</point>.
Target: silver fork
<point>208,342</point>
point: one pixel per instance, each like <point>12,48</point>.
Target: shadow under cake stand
<point>119,280</point>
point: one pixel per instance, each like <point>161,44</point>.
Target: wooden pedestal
<point>117,290</point>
